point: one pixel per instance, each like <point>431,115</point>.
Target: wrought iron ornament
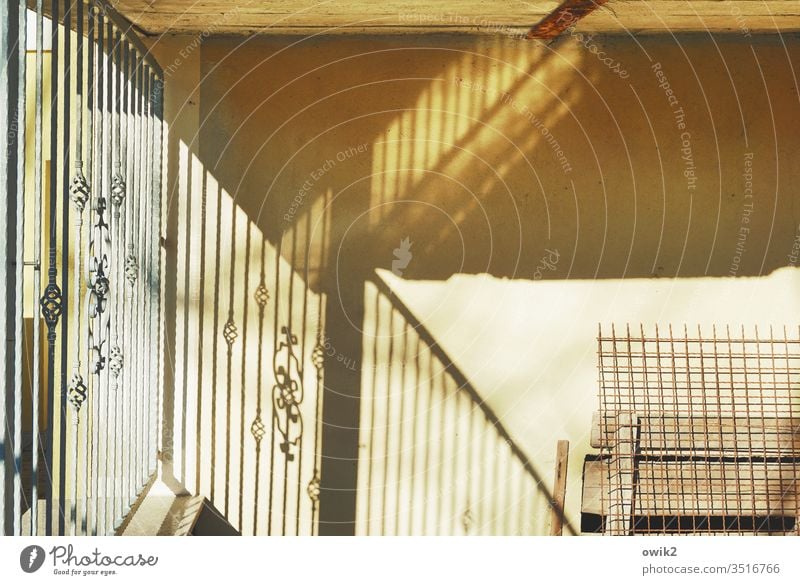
<point>79,189</point>
<point>116,363</point>
<point>131,269</point>
<point>77,391</point>
<point>52,305</point>
<point>99,286</point>
<point>117,191</point>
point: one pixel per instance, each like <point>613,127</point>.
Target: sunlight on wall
<point>245,431</point>
<point>455,165</point>
<point>530,347</point>
<point>492,99</point>
<point>431,461</point>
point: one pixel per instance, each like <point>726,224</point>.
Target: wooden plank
<point>679,435</point>
<point>686,488</point>
<point>467,16</point>
<point>559,489</point>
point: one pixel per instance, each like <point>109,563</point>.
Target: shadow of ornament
<point>258,429</point>
<point>313,488</point>
<point>287,393</point>
<point>230,332</point>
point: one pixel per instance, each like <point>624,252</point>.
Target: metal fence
<point>699,432</point>
<point>80,222</point>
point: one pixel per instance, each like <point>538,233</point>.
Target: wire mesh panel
<point>81,259</point>
<point>699,432</point>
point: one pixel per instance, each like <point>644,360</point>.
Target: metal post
<point>9,230</point>
<point>51,303</point>
<point>38,192</point>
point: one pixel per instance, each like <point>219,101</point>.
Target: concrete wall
<point>667,160</point>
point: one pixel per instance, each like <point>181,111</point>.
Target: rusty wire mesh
<point>699,431</point>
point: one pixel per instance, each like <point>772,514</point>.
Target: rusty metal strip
<point>565,16</point>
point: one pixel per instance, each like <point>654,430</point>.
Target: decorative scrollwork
<point>77,391</point>
<point>287,393</point>
<point>116,362</point>
<point>100,208</point>
<point>230,332</point>
<point>131,269</point>
<point>52,307</point>
<point>99,286</point>
<point>79,190</point>
<point>117,190</point>
<point>313,487</point>
<point>96,356</point>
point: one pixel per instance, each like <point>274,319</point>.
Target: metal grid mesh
<point>699,432</point>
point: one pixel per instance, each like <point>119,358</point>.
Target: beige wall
<point>336,149</point>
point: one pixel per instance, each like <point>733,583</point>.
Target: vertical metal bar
<point>131,270</point>
<point>79,191</point>
<point>155,253</point>
<point>90,444</point>
<point>109,385</point>
<point>134,252</point>
<point>117,357</point>
<point>140,283</point>
<point>158,243</point>
<point>146,274</point>
<point>67,153</point>
<point>19,251</point>
<point>6,150</point>
<point>101,394</point>
<point>94,350</point>
<point>9,233</point>
<point>127,377</point>
<point>142,302</point>
<point>125,384</point>
<point>37,258</point>
<point>50,302</point>
<point>604,500</point>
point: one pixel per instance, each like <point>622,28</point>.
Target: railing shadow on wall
<point>223,228</point>
<point>243,427</point>
<point>435,458</point>
<point>468,130</point>
<point>243,424</point>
